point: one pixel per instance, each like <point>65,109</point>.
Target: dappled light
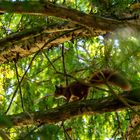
<point>69,70</point>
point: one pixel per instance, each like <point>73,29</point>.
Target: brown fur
<point>75,91</point>
<point>79,90</point>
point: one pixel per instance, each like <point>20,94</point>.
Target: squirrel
<point>78,90</point>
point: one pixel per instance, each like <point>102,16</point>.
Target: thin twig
<point>21,97</point>
<point>31,132</point>
<point>14,94</point>
<point>65,132</point>
<point>64,67</point>
<point>50,61</point>
<point>50,40</point>
<point>119,97</point>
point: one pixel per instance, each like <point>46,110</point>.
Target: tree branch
<point>50,9</point>
<point>29,41</point>
<point>74,109</point>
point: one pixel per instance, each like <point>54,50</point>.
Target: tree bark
<point>50,9</point>
<point>30,41</point>
<point>73,109</point>
<point>27,42</point>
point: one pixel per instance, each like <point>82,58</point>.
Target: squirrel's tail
<point>110,77</point>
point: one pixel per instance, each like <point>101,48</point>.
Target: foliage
<point>82,57</point>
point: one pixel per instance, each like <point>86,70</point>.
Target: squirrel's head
<point>59,92</point>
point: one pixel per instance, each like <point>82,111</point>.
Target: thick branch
<point>30,41</point>
<point>74,109</point>
<point>49,9</point>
